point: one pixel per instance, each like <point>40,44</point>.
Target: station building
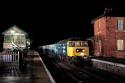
<point>15,38</point>
<point>109,34</point>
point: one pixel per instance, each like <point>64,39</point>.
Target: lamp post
<point>12,31</point>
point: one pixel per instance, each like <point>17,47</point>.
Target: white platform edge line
<point>15,77</point>
<point>50,76</point>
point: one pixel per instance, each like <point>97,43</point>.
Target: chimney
<point>107,11</point>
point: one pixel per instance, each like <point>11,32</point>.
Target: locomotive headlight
<point>77,50</point>
<point>83,50</point>
<point>82,54</point>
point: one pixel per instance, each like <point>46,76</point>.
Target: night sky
<point>50,22</point>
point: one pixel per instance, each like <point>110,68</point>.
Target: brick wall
<point>109,35</point>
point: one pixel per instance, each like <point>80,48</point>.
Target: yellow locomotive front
<point>77,48</point>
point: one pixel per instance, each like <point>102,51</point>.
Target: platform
<point>32,70</point>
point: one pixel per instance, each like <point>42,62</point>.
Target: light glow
<point>83,50</point>
<point>12,31</point>
<point>82,54</point>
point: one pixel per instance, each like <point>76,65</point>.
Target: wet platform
<point>32,70</point>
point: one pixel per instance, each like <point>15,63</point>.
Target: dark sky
<point>49,22</point>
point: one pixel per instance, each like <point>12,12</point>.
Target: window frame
<point>120,24</point>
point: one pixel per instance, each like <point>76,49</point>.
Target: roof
<point>14,26</point>
<point>110,13</point>
<point>97,18</point>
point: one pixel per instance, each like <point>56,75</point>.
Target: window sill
<point>120,31</point>
<point>99,32</point>
<point>120,50</point>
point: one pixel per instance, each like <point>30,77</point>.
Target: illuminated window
<point>19,39</point>
<point>72,44</point>
<point>7,38</point>
<point>77,43</point>
<point>120,44</point>
<point>99,25</point>
<point>120,24</point>
<point>84,43</point>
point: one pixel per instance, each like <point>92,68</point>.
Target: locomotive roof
<point>76,39</point>
<point>73,39</point>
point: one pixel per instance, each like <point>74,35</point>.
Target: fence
<point>9,60</point>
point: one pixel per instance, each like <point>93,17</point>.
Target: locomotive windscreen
<point>77,43</point>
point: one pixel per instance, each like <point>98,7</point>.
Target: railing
<point>9,60</point>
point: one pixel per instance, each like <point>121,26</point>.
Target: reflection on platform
<point>17,69</point>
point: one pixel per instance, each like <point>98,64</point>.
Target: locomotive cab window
<point>71,44</point>
<point>77,44</point>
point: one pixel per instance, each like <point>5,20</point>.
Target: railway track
<point>81,76</point>
<point>105,75</point>
<point>112,78</point>
<point>70,74</point>
<point>65,73</point>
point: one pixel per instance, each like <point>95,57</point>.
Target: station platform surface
<point>32,71</point>
<point>112,59</point>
